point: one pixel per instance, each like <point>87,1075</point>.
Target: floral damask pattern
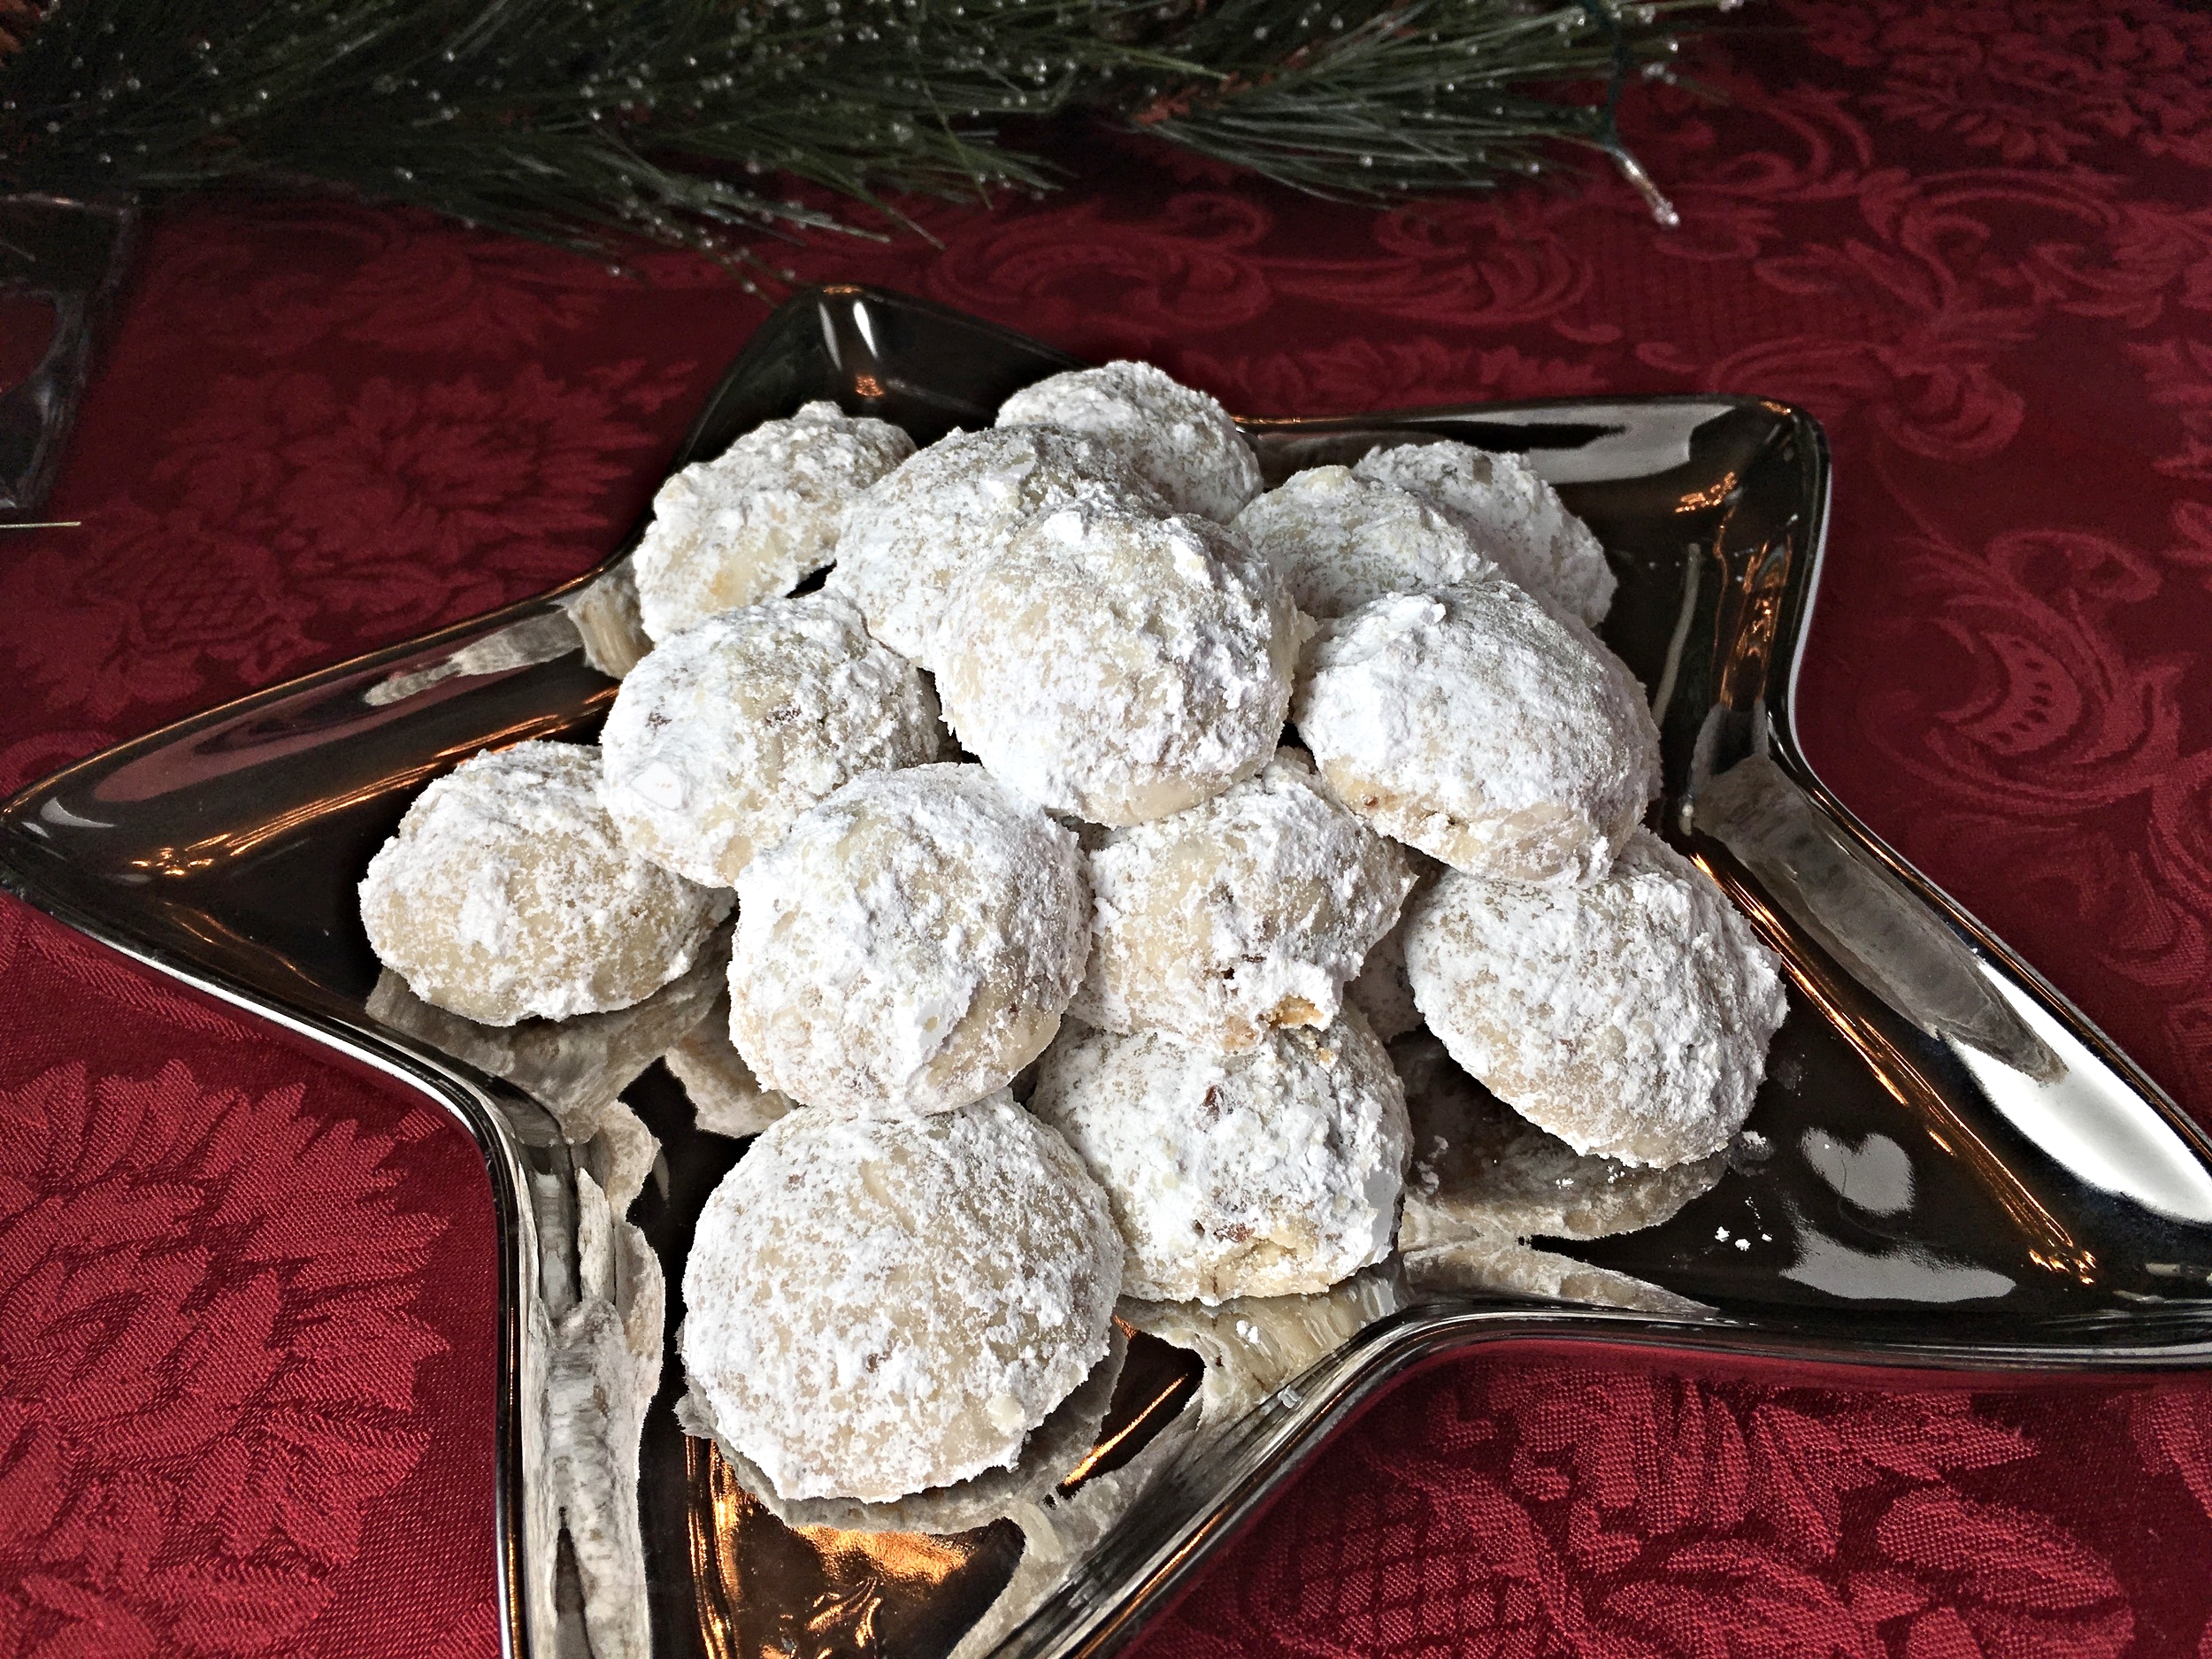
<point>1973,239</point>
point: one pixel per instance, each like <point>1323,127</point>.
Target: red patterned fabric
<point>246,1295</point>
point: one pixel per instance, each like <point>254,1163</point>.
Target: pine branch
<point>585,122</point>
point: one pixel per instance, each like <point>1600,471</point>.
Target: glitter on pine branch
<point>589,122</point>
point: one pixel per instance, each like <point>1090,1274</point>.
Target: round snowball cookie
<point>910,945</point>
<point>1630,1018</point>
<point>1483,728</point>
<point>752,523</point>
<point>1117,666</point>
<point>880,1306</point>
<point>907,537</point>
<point>506,894</point>
<point>1274,1172</point>
<point>1512,515</point>
<point>1340,539</point>
<point>1179,440</point>
<point>728,732</point>
<point>1246,913</point>
<point>1480,1170</point>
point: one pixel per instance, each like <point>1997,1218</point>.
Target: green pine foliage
<point>586,122</point>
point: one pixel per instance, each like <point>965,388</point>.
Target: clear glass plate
<point>1947,1167</point>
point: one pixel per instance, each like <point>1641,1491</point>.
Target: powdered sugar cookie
<point>1483,728</point>
<point>1630,1016</point>
<point>907,537</point>
<point>910,945</point>
<point>506,894</point>
<point>1480,1170</point>
<point>1511,514</point>
<point>751,523</point>
<point>1118,667</point>
<point>1177,439</point>
<point>880,1306</point>
<point>723,735</point>
<point>1340,539</point>
<point>1268,1173</point>
<point>1246,912</point>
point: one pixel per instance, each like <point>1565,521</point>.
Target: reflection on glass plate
<point>1947,1165</point>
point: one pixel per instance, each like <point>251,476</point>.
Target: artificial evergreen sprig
<point>579,121</point>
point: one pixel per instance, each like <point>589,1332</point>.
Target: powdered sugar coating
<point>1246,912</point>
<point>1118,667</point>
<point>1484,728</point>
<point>729,731</point>
<point>1268,1174</point>
<point>910,945</point>
<point>506,894</point>
<point>1177,439</point>
<point>1340,539</point>
<point>1480,1170</point>
<point>907,537</point>
<point>751,523</point>
<point>879,1306</point>
<point>1630,1018</point>
<point>1513,515</point>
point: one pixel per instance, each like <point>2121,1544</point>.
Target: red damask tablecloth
<point>246,1298</point>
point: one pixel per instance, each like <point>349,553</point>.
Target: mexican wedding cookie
<point>506,894</point>
<point>1274,1173</point>
<point>1248,912</point>
<point>728,732</point>
<point>751,523</point>
<point>1510,514</point>
<point>1630,1018</point>
<point>1483,728</point>
<point>1118,667</point>
<point>910,945</point>
<point>1340,539</point>
<point>1177,439</point>
<point>880,1306</point>
<point>907,537</point>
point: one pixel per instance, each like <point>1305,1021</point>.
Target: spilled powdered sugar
<point>910,945</point>
<point>905,539</point>
<point>1629,1017</point>
<point>879,1306</point>
<point>1510,514</point>
<point>1120,666</point>
<point>751,523</point>
<point>729,731</point>
<point>1483,728</point>
<point>1340,539</point>
<point>506,894</point>
<point>1177,439</point>
<point>1273,1172</point>
<point>1246,912</point>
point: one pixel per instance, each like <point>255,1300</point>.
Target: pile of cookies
<point>1094,1004</point>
